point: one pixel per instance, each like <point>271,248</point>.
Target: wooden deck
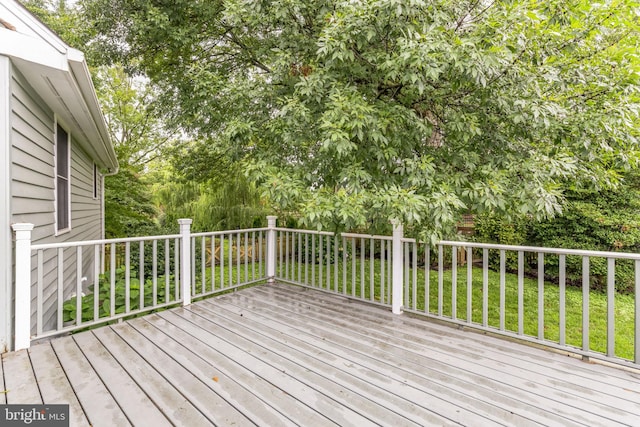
<point>281,355</point>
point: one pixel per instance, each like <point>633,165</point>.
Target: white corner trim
<point>6,235</point>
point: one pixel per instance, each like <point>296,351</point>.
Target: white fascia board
<point>85,88</point>
<point>31,49</point>
<point>36,59</point>
<point>75,55</point>
<point>26,23</point>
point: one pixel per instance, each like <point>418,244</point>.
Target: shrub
<point>591,220</point>
<point>104,295</point>
<point>490,228</point>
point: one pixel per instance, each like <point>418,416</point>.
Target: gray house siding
<point>33,195</point>
<point>45,85</point>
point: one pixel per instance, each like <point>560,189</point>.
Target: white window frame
<point>57,177</point>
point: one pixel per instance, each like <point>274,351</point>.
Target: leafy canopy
<point>138,138</point>
<point>353,112</point>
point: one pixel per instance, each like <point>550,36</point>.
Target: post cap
<point>22,226</point>
<point>397,224</point>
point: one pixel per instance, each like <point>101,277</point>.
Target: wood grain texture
<point>19,380</point>
<point>280,355</point>
<point>100,407</point>
<point>53,383</point>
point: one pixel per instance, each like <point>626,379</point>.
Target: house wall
<point>33,194</point>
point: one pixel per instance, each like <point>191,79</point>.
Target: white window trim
<point>55,180</point>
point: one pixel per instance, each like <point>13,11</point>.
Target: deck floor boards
<point>53,383</point>
<point>467,364</point>
<point>435,384</point>
<point>19,379</point>
<point>373,379</point>
<point>131,399</point>
<point>97,403</point>
<point>324,376</point>
<point>280,355</point>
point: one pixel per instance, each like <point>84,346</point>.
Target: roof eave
<point>64,82</point>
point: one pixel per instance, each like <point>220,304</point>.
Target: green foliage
<point>139,137</point>
<point>498,230</point>
<point>222,203</point>
<point>129,209</point>
<point>495,229</point>
<point>593,220</point>
<point>152,188</point>
<point>352,113</point>
<point>104,294</point>
<point>135,125</point>
<point>605,220</point>
<point>62,17</point>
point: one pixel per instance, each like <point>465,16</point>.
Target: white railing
<point>64,287</point>
<point>225,260</point>
<point>354,265</point>
<point>516,291</point>
<point>541,295</point>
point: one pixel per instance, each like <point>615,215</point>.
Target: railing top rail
<point>296,230</point>
<point>365,236</point>
<point>537,249</point>
<point>218,233</point>
<point>555,251</point>
<point>101,242</point>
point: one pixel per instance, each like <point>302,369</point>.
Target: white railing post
<point>397,282</point>
<point>271,249</point>
<point>185,260</point>
<point>22,337</point>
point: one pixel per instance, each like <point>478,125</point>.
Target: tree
<point>62,17</point>
<point>128,205</point>
<point>592,220</point>
<point>139,137</point>
<point>135,127</point>
<point>606,220</point>
<point>353,112</point>
<point>216,204</point>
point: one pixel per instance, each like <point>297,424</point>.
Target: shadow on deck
<point>283,355</point>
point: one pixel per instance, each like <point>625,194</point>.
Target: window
<point>95,181</point>
<point>63,188</point>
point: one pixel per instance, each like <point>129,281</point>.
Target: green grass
<point>624,306</point>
